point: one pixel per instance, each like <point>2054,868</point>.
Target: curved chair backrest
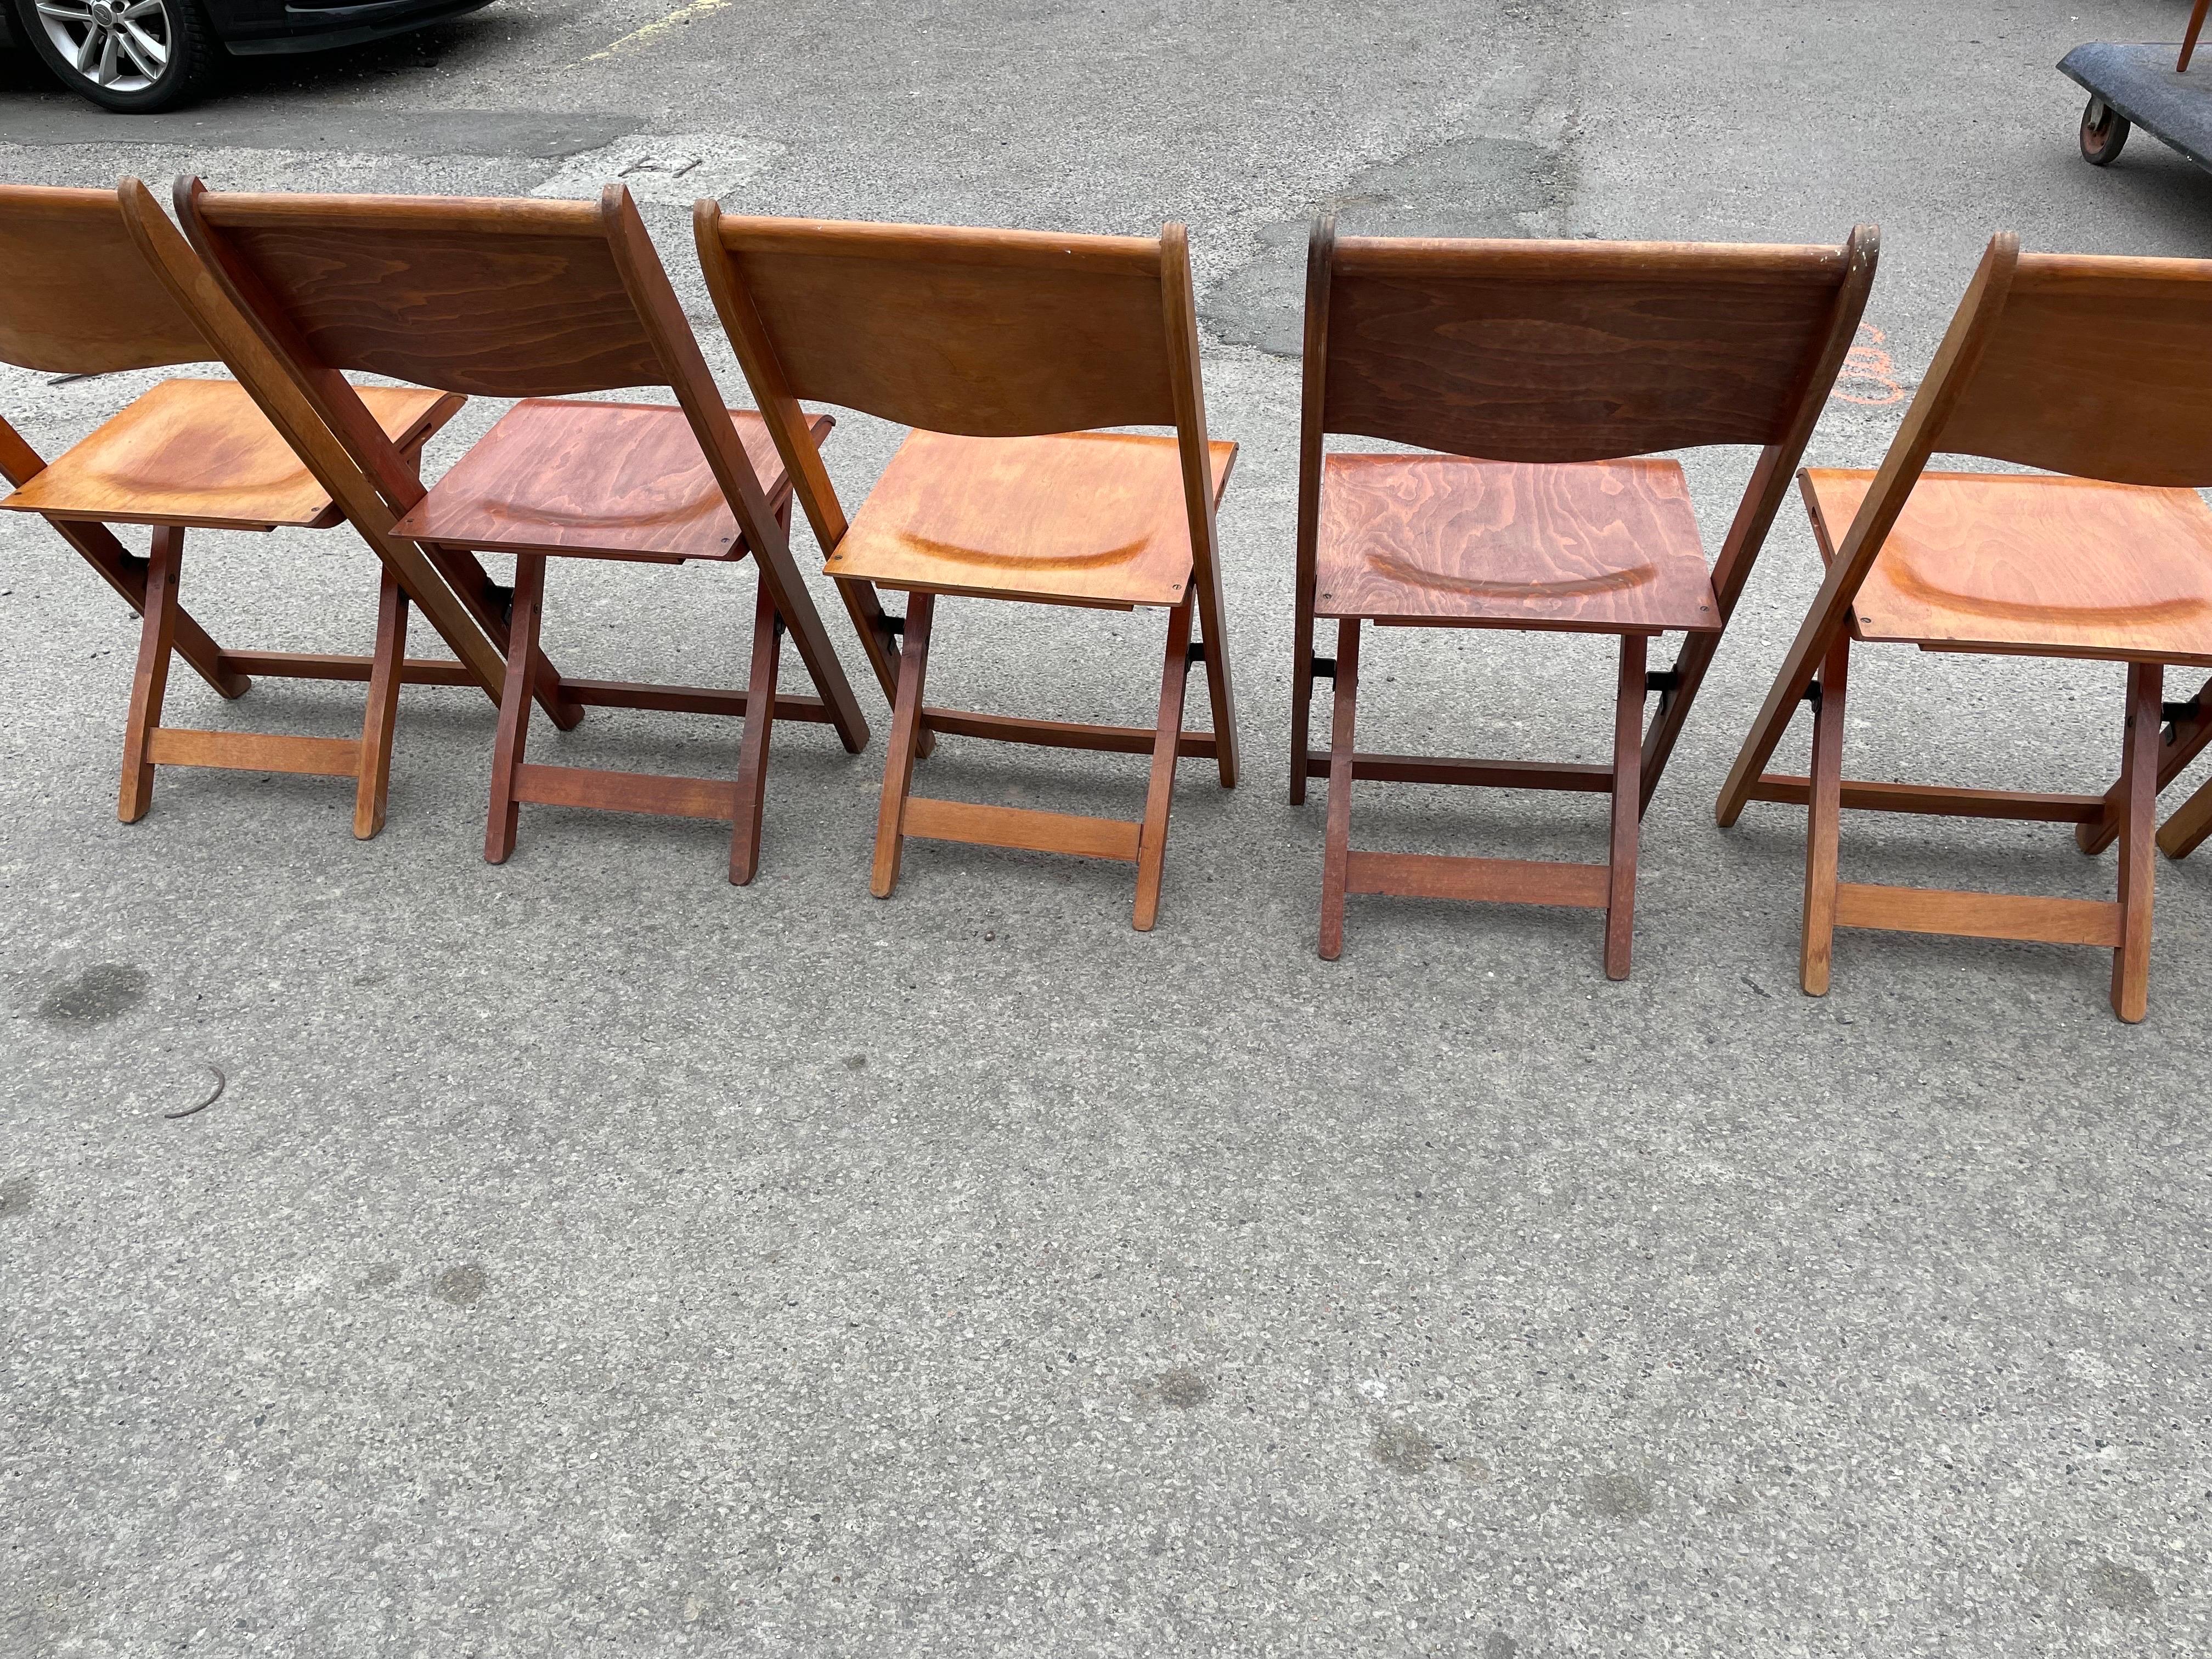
<point>2091,365</point>
<point>985,333</point>
<point>1565,351</point>
<point>77,296</point>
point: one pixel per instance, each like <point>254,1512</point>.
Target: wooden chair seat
<point>2019,564</point>
<point>201,454</point>
<point>595,480</point>
<point>1597,547</point>
<point>1078,518</point>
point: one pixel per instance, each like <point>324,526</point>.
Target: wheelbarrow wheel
<point>2103,133</point>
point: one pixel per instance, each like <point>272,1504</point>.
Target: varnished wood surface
<point>1091,518</point>
<point>594,480</point>
<point>76,297</point>
<point>1936,800</point>
<point>254,751</point>
<point>1978,915</point>
<point>1486,881</point>
<point>1018,826</point>
<point>1562,351</point>
<point>607,791</point>
<point>2039,565</point>
<point>1599,547</point>
<point>200,453</point>
<point>2131,992</point>
<point>983,333</point>
<point>504,299</point>
<point>2098,366</point>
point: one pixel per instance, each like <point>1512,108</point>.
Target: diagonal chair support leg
<point>382,714</point>
<point>1152,843</point>
<point>2138,812</point>
<point>514,700</point>
<point>149,682</point>
<point>1823,823</point>
<point>1627,806</point>
<point>1336,856</point>
<point>906,730</point>
<point>752,753</point>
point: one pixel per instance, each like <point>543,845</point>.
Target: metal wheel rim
<point>120,46</point>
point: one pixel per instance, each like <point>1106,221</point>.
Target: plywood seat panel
<point>594,480</point>
<point>2032,564</point>
<point>1079,518</point>
<point>201,454</point>
<point>1597,547</point>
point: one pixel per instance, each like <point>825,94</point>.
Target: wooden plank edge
<point>1018,826</point>
<point>1486,881</point>
<point>1978,915</point>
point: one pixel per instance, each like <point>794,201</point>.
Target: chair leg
<point>1152,843</point>
<point>752,756</point>
<point>1824,821</point>
<point>1336,856</point>
<point>149,684</point>
<point>1301,713</point>
<point>382,713</point>
<point>906,725</point>
<point>514,706</point>
<point>1627,806</point>
<point>2138,812</point>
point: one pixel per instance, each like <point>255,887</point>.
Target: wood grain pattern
<point>1565,351</point>
<point>501,298</point>
<point>1936,800</point>
<point>2035,566</point>
<point>1600,547</point>
<point>1483,881</point>
<point>254,751</point>
<point>596,480</point>
<point>149,678</point>
<point>1018,826</point>
<point>2097,366</point>
<point>1978,915</point>
<point>1083,517</point>
<point>2130,989</point>
<point>75,295</point>
<point>606,790</point>
<point>1627,815</point>
<point>983,333</point>
<point>202,453</point>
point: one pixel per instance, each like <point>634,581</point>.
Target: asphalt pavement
<point>586,1256</point>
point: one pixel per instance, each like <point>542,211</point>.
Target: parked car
<point>142,55</point>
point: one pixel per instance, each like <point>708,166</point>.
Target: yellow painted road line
<point>638,37</point>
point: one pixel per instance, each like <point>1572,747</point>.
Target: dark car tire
<point>171,36</point>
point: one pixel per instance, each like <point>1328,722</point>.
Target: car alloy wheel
<point>120,46</point>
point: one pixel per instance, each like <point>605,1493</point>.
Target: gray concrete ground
<point>588,1256</point>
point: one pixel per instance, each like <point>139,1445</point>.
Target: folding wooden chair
<point>2099,369</point>
<point>1544,370</point>
<point>196,453</point>
<point>1007,352</point>
<point>540,300</point>
<point>2189,41</point>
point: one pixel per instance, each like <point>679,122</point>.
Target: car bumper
<point>275,27</point>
